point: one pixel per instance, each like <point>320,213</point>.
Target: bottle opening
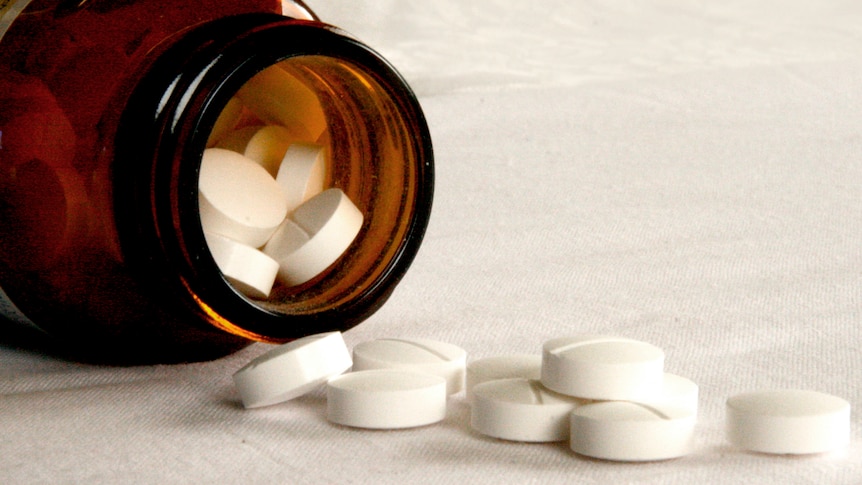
<point>308,186</point>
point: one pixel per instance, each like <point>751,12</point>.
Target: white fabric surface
<point>682,172</point>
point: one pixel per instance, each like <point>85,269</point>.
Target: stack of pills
<point>394,383</point>
<point>609,396</point>
<point>265,209</point>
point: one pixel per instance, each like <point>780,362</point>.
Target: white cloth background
<point>682,172</point>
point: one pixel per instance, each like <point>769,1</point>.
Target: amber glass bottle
<point>106,107</point>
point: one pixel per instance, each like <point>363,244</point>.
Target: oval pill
<point>292,369</point>
<point>602,367</point>
<point>331,222</point>
<point>501,367</point>
<point>519,409</point>
<point>420,355</point>
<point>788,421</point>
<point>238,198</point>
<point>627,431</point>
<point>386,399</point>
<point>301,173</point>
<point>249,270</point>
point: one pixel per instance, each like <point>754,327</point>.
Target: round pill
<point>519,409</point>
<point>420,355</point>
<point>301,173</point>
<point>292,369</point>
<point>627,431</point>
<point>501,367</point>
<point>386,399</point>
<point>602,367</point>
<point>331,222</point>
<point>287,239</point>
<point>788,421</point>
<point>675,391</point>
<point>269,143</point>
<point>249,270</point>
<point>238,198</point>
<point>279,98</point>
